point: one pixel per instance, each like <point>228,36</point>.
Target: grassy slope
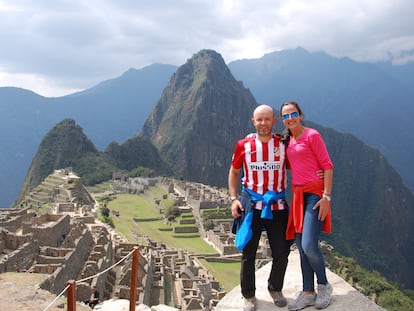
<point>142,206</point>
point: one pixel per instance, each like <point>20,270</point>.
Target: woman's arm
<point>324,203</point>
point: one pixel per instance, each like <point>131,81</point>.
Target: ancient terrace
<point>68,242</point>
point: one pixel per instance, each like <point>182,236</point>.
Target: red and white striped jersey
<point>264,166</point>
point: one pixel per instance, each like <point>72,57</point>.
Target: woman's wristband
<point>326,196</point>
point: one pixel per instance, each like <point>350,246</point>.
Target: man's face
<point>263,121</point>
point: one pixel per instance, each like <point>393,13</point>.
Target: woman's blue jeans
<point>311,258</point>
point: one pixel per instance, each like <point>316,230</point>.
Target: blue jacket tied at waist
<point>242,225</point>
<point>269,198</point>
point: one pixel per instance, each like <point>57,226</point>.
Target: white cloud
<point>35,83</point>
<point>54,47</point>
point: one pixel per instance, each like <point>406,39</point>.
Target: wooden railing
<point>70,288</point>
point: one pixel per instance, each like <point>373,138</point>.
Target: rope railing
<point>57,297</point>
<point>72,300</point>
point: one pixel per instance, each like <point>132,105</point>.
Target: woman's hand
<point>324,207</point>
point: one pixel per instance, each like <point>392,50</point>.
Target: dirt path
<point>20,291</point>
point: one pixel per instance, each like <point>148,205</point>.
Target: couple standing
<point>264,158</point>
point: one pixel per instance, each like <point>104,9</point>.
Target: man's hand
<point>320,173</point>
<point>236,208</point>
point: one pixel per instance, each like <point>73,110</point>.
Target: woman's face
<point>290,116</point>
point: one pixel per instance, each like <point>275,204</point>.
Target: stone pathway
<point>344,296</point>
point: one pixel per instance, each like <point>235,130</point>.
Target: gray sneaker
<point>324,296</point>
<point>249,304</point>
<point>278,298</point>
<point>302,301</point>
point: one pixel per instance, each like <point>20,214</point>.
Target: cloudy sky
<point>61,46</point>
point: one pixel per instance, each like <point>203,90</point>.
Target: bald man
<point>262,204</point>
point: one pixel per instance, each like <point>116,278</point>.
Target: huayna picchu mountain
<point>65,145</point>
<point>195,124</point>
<point>199,117</point>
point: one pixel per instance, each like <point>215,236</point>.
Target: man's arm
<point>233,181</point>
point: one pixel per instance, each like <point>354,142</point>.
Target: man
<point>261,205</point>
<point>94,299</point>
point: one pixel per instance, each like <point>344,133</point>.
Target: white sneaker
<point>249,304</point>
<point>302,301</point>
<point>278,298</point>
<point>323,298</point>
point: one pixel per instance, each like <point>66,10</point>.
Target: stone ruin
<point>68,244</point>
<point>200,197</point>
<point>66,248</point>
<point>61,191</point>
<point>136,185</point>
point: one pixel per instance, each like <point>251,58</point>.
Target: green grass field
<point>226,273</point>
<point>132,206</point>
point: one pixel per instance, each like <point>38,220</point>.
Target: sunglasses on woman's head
<point>294,115</point>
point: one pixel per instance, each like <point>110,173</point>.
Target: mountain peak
<point>205,58</point>
<point>58,149</point>
<point>204,65</point>
<point>202,95</point>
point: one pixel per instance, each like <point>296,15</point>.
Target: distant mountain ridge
<point>111,111</point>
<point>195,133</point>
<point>371,101</point>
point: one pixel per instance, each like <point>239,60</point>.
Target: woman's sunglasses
<point>294,115</point>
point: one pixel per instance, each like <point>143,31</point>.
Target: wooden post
<point>134,279</point>
<point>71,294</point>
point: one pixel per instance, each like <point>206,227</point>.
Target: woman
<point>311,210</point>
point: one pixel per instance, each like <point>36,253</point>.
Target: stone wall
<point>13,241</point>
<point>189,221</point>
<point>100,258</point>
<point>50,229</point>
<point>74,262</point>
<point>188,229</point>
<point>14,220</point>
<point>199,197</point>
<point>135,185</point>
<point>65,207</point>
<point>21,258</point>
<point>222,242</point>
<point>147,283</point>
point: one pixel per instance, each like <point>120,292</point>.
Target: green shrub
<point>395,300</point>
<point>171,212</point>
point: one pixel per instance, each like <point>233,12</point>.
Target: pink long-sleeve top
<point>306,156</point>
